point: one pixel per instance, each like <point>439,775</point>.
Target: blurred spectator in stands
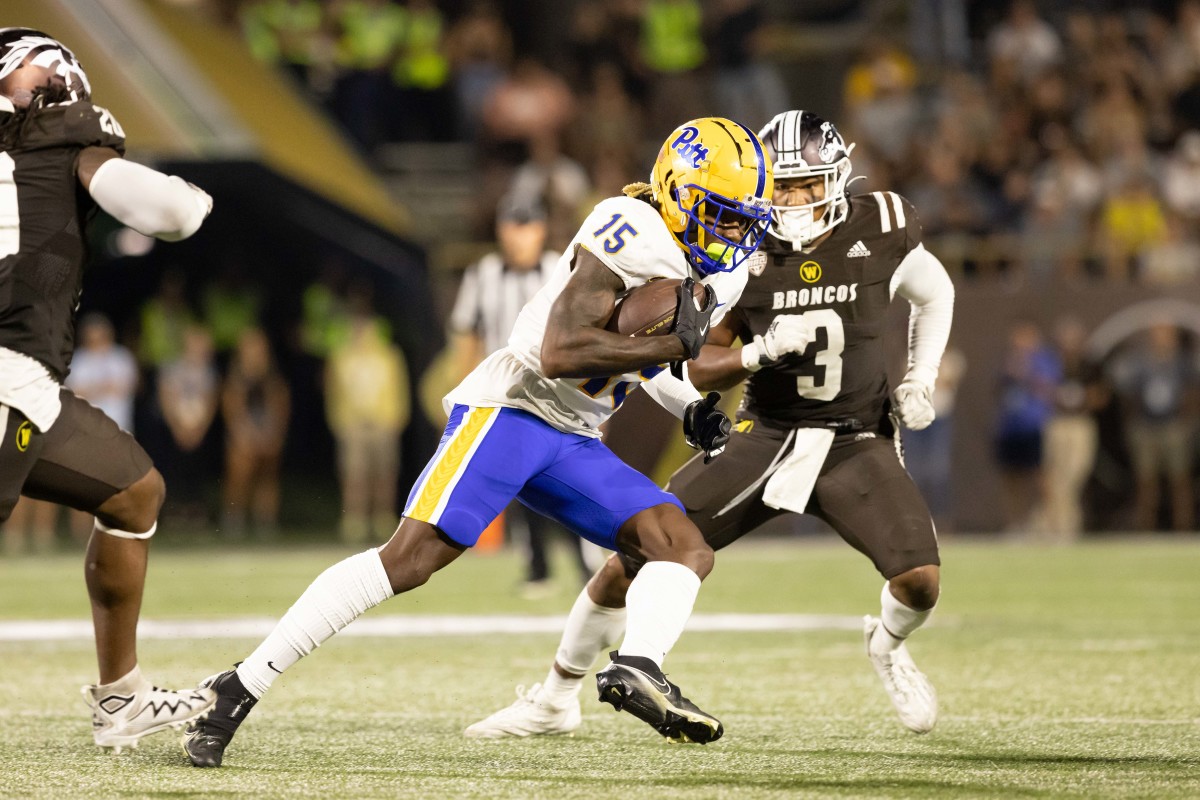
<point>1065,191</point>
<point>367,406</point>
<point>928,453</point>
<point>229,306</point>
<point>1026,41</point>
<point>746,86</point>
<point>31,527</point>
<point>1175,261</point>
<point>1071,435</point>
<point>881,101</point>
<point>1181,178</point>
<point>368,35</point>
<point>1131,221</point>
<point>531,103</point>
<point>188,395</point>
<point>673,53</point>
<point>492,293</point>
<point>1156,382</point>
<point>163,320</point>
<point>105,374</point>
<point>324,319</point>
<point>425,104</point>
<point>609,121</point>
<point>952,204</point>
<point>557,181</point>
<point>479,48</point>
<point>255,405</point>
<point>1028,379</point>
<point>938,33</point>
<point>292,35</point>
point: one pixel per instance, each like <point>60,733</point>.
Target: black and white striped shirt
<point>491,296</point>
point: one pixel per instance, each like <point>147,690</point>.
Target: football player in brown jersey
<point>60,159</point>
<point>816,429</point>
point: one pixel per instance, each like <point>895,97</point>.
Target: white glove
<point>788,333</point>
<point>913,404</point>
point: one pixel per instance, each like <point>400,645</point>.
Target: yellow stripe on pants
<point>450,462</point>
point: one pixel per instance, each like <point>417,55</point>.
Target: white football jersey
<point>632,240</point>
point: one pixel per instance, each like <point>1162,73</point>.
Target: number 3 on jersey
<point>616,241</point>
<point>827,383</point>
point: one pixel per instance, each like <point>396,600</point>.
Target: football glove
<point>691,321</point>
<point>705,427</point>
<point>788,333</point>
<point>913,404</point>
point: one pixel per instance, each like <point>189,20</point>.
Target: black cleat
<point>205,740</point>
<point>636,684</point>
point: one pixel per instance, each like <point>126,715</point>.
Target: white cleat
<point>120,720</point>
<point>528,716</point>
<point>912,694</point>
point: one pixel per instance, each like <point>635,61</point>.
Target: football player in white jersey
<point>525,424</point>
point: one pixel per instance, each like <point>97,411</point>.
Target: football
<point>649,309</point>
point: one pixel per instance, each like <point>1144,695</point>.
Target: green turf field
<point>1062,672</point>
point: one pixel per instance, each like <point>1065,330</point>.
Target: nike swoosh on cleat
<point>271,666</point>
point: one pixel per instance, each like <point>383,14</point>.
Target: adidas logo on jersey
<point>859,250</point>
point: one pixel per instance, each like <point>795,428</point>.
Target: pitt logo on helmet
<point>712,184</point>
<point>687,146</point>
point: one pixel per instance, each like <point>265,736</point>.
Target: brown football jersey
<point>44,249</point>
<point>843,288</point>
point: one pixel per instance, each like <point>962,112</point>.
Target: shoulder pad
<point>630,237</point>
<point>895,212</point>
<point>78,124</point>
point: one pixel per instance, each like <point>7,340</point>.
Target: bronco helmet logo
<point>810,272</point>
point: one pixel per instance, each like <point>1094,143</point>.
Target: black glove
<point>691,323</point>
<point>705,427</point>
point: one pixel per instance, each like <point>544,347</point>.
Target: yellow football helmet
<point>710,172</point>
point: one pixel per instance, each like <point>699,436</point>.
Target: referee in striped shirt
<point>492,293</point>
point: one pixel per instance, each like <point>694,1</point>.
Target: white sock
<point>336,598</point>
<point>129,682</point>
<point>590,628</point>
<point>899,622</point>
<point>659,600</point>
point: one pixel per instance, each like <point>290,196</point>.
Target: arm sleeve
<point>163,206</point>
<point>671,393</point>
<point>922,280</point>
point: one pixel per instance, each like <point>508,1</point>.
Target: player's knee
<point>664,533</point>
<point>413,554</point>
<point>610,583</point>
<point>135,508</point>
<point>917,588</point>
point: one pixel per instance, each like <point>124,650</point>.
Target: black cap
<point>520,208</point>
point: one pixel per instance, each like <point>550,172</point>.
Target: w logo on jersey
<point>686,145</point>
<point>810,272</point>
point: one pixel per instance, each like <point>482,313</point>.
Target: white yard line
<point>393,626</point>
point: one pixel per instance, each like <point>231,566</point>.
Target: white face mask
<point>793,224</point>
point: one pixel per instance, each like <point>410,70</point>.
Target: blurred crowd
<point>203,387</point>
<point>1039,141</point>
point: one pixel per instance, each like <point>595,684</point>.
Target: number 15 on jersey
<point>616,240</point>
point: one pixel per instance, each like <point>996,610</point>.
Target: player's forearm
<point>717,369</point>
<point>923,281</point>
<point>586,352</point>
<point>162,206</point>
